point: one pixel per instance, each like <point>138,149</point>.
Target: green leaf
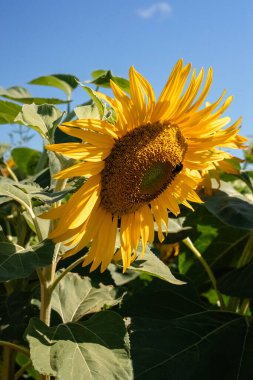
<point>8,112</point>
<point>208,345</point>
<point>98,102</point>
<point>102,78</point>
<point>56,81</point>
<point>16,262</point>
<point>75,297</point>
<point>8,189</point>
<point>153,266</point>
<point>26,159</point>
<point>174,336</point>
<point>120,278</point>
<point>220,244</point>
<point>15,311</point>
<point>238,282</point>
<point>231,207</point>
<point>96,349</point>
<point>40,118</point>
<point>15,92</point>
<point>21,95</point>
<point>23,360</point>
<point>87,112</point>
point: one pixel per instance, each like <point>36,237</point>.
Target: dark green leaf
<point>16,262</point>
<point>174,336</point>
<point>238,282</point>
<point>75,297</point>
<point>231,207</point>
<point>220,244</point>
<point>208,345</point>
<point>96,349</point>
<point>15,311</point>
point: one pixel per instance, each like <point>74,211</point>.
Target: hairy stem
<point>207,268</point>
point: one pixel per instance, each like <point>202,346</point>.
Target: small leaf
<point>15,92</point>
<point>87,112</point>
<point>96,349</point>
<point>54,81</point>
<point>75,297</point>
<point>98,102</point>
<point>16,262</point>
<point>21,95</point>
<point>102,78</point>
<point>153,266</point>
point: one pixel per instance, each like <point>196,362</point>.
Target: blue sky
<point>78,36</point>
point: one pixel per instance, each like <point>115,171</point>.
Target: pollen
<point>142,164</point>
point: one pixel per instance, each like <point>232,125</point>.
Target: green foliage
<point>16,262</point>
<point>84,350</point>
<point>165,317</point>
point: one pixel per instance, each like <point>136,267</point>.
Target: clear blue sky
<point>78,36</point>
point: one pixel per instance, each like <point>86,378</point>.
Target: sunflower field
<point>126,245</point>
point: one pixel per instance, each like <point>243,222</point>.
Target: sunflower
<point>146,163</point>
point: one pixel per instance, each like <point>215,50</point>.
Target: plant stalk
<point>207,268</point>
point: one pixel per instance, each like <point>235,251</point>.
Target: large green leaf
<point>16,262</point>
<point>75,297</point>
<point>96,349</point>
<point>41,118</point>
<point>61,82</point>
<point>8,112</point>
<point>174,336</point>
<point>231,207</point>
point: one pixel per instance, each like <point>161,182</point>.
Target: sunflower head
<point>143,166</point>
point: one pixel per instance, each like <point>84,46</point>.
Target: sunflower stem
<point>207,268</point>
<point>63,273</point>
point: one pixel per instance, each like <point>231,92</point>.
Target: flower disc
<point>141,165</point>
